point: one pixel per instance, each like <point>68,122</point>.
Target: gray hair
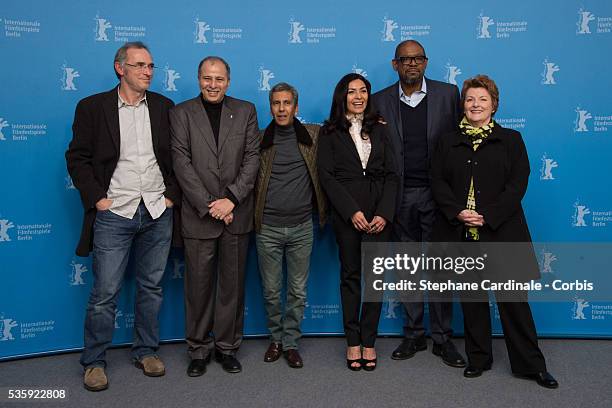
<point>281,87</point>
<point>214,58</point>
<point>121,54</point>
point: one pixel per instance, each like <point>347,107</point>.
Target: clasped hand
<point>360,223</point>
<point>221,209</point>
<point>471,218</point>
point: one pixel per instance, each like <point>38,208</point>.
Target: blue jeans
<point>114,238</point>
<point>273,243</point>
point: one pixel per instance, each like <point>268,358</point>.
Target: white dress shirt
<point>137,175</point>
<point>364,147</point>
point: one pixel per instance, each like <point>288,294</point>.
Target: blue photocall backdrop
<point>550,59</point>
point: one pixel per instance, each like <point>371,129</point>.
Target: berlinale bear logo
<point>294,31</point>
<point>200,34</point>
<point>6,325</point>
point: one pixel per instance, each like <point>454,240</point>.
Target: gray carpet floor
<point>582,367</point>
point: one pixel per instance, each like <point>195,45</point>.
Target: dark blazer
<point>93,152</point>
<point>207,172</point>
<point>443,115</point>
<point>500,169</point>
<point>350,188</point>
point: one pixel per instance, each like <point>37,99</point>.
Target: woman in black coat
<point>357,174</point>
<point>479,177</point>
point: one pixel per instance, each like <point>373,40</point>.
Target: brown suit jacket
<point>206,172</point>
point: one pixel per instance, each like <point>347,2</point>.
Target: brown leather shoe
<point>95,379</point>
<point>273,352</point>
<point>151,366</point>
<point>294,359</point>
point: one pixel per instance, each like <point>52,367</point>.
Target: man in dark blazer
<point>119,160</point>
<point>215,149</point>
<point>418,111</point>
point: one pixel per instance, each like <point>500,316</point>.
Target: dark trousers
<point>413,223</point>
<point>214,293</point>
<point>360,319</point>
<point>519,333</point>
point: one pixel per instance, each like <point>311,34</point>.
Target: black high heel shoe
<point>366,367</point>
<point>349,364</point>
<point>365,361</point>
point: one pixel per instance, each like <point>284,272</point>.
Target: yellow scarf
<point>476,135</point>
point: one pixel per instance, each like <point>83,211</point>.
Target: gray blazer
<point>207,172</point>
<point>443,116</point>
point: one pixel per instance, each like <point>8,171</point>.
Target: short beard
<point>411,81</point>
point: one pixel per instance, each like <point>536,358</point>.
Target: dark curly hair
<point>337,114</point>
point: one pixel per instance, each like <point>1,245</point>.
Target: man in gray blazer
<point>418,111</point>
<point>216,158</point>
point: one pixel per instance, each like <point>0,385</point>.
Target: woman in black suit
<point>479,177</point>
<point>356,172</point>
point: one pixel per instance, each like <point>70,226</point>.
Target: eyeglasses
<point>418,60</point>
<point>141,66</point>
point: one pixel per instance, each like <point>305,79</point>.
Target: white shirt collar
<point>416,97</point>
<point>354,117</point>
<point>121,102</point>
<point>423,89</point>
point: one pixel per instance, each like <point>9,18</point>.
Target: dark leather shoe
<point>450,355</point>
<point>273,353</point>
<point>544,379</point>
<point>409,347</point>
<point>294,359</point>
<point>473,372</point>
<point>197,366</point>
<point>228,362</point>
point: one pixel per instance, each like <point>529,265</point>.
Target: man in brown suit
<point>215,151</point>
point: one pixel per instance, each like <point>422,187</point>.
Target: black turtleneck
<point>213,110</point>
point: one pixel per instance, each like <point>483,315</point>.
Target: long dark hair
<point>337,114</point>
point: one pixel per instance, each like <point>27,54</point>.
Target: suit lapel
<point>227,122</point>
<point>347,139</point>
<point>154,118</point>
<point>111,113</point>
<point>393,102</point>
<point>203,124</point>
<point>373,149</point>
<point>432,111</point>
